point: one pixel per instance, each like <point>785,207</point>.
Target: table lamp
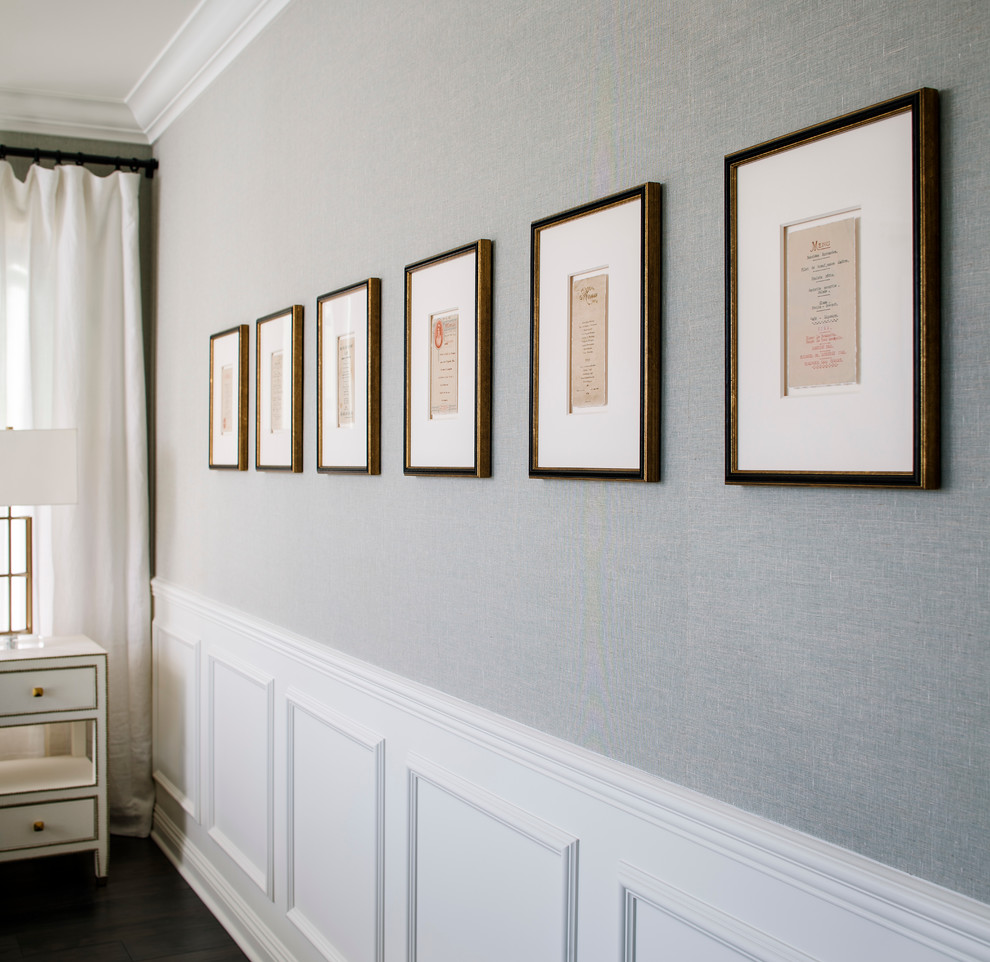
<point>36,467</point>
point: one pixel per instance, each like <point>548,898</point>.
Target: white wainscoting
<point>353,816</point>
<point>175,717</point>
<point>335,832</point>
<point>240,752</point>
<point>476,862</point>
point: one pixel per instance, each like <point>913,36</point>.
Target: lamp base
<point>19,642</point>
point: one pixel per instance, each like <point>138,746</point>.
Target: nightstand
<point>53,749</point>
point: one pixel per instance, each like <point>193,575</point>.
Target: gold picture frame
<point>448,364</point>
<point>229,399</point>
<point>348,377</point>
<point>832,302</point>
<point>595,340</point>
<point>279,390</point>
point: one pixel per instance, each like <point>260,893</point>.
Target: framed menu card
<point>229,398</point>
<point>348,366</point>
<point>278,389</point>
<point>595,340</point>
<point>832,302</point>
<point>448,345</point>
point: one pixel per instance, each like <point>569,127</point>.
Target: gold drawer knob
<point>39,826</point>
<point>37,692</point>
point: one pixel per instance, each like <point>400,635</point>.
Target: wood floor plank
<point>10,951</point>
<point>102,952</point>
<point>52,909</point>
<point>219,954</point>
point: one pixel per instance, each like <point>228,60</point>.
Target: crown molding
<point>213,36</point>
<point>209,40</point>
<point>34,112</point>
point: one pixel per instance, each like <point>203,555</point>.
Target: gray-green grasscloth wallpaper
<point>817,656</point>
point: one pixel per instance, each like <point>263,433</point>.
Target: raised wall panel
<point>487,881</point>
<point>336,783</point>
<point>241,705</point>
<point>661,936</point>
<point>664,923</point>
<point>176,718</point>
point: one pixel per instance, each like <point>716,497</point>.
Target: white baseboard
<point>651,867</point>
<point>255,939</point>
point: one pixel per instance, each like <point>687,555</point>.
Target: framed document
<point>448,404</point>
<point>595,340</point>
<point>229,398</point>
<point>832,302</point>
<point>348,365</point>
<point>278,391</point>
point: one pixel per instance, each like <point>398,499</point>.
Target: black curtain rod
<point>69,157</point>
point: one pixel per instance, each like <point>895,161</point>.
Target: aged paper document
<point>821,315</point>
<point>277,386</point>
<point>443,364</point>
<point>345,380</point>
<point>588,362</point>
<point>227,399</point>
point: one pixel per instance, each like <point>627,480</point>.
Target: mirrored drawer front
<point>51,689</point>
<point>50,823</point>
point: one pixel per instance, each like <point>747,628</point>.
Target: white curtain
<point>73,356</point>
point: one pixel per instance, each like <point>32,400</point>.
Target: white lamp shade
<point>38,467</point>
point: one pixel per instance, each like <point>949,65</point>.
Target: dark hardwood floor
<point>52,910</point>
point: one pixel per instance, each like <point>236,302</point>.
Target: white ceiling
<point>116,69</point>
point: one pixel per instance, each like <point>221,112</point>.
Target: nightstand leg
<point>100,867</point>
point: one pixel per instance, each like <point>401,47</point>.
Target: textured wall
<point>817,656</point>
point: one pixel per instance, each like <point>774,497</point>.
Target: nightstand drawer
<point>45,690</point>
<point>48,823</point>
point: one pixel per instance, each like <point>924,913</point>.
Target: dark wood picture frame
<point>614,242</point>
<point>456,284</point>
<point>281,448</point>
<point>359,452</point>
<point>878,168</point>
<point>231,346</point>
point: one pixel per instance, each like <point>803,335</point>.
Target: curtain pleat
<point>76,236</point>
